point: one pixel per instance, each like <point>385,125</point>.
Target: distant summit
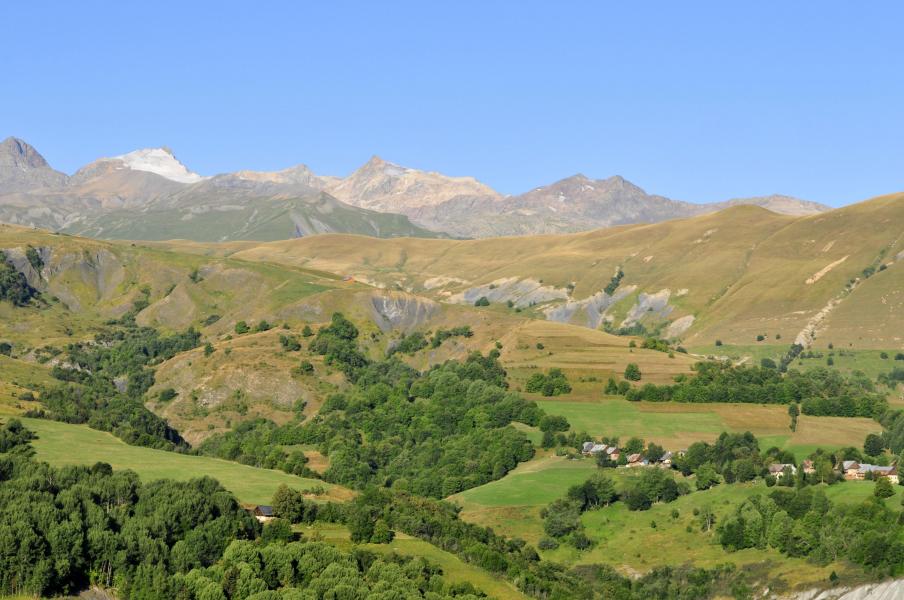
<point>159,161</point>
<point>148,192</point>
<point>23,168</point>
<point>388,187</point>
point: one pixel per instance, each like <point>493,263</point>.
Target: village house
<point>851,470</point>
<point>666,460</point>
<point>778,470</point>
<point>808,467</point>
<point>854,471</point>
<point>262,513</point>
<point>637,460</point>
<point>590,448</point>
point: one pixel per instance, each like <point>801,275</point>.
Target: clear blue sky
<point>697,101</point>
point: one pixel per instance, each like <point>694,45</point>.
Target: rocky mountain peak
<point>160,161</point>
<point>22,168</point>
<point>19,153</point>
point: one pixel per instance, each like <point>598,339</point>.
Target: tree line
<point>820,391</point>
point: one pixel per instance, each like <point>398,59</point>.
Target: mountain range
<point>149,194</point>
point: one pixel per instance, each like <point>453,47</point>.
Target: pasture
<point>63,444</point>
<point>676,425</point>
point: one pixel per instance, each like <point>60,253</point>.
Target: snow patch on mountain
<point>159,161</point>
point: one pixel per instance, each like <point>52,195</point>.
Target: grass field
<point>19,377</point>
<point>512,505</point>
<point>676,425</point>
<point>63,444</point>
<point>845,359</point>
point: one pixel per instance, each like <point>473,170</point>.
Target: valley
<point>243,361</point>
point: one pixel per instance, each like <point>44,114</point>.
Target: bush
<point>547,543</point>
<point>242,327</point>
<point>632,372</point>
<point>553,383</point>
<point>482,301</point>
<point>883,488</point>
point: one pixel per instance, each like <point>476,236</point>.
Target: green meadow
<point>63,444</point>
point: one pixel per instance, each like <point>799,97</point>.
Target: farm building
<point>262,513</point>
<point>778,470</point>
<point>854,471</point>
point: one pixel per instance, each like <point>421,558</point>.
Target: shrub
<point>482,301</point>
<point>632,372</point>
<point>242,327</point>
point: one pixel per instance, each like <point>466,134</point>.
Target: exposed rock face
<point>23,168</point>
<point>889,590</point>
<point>400,311</point>
<point>593,308</point>
<point>387,187</point>
<point>521,292</point>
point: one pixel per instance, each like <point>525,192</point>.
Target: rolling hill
<point>729,276</point>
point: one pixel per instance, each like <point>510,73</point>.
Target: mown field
<point>64,444</point>
<point>584,354</point>
<point>676,425</point>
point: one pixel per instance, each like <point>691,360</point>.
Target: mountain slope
<point>23,168</point>
<point>730,275</point>
<point>149,195</point>
<point>104,198</point>
<point>384,186</point>
<point>575,204</point>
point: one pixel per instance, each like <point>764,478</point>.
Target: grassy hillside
<point>264,219</point>
<point>739,273</point>
<point>56,443</point>
<point>625,539</point>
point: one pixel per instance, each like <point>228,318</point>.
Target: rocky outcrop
<point>889,590</point>
<point>401,311</point>
<point>23,168</point>
<point>521,292</point>
<point>588,312</point>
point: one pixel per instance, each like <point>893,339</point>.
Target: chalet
<point>666,460</point>
<point>778,470</point>
<point>262,513</point>
<point>851,469</point>
<point>864,471</point>
<point>637,460</point>
<point>589,448</point>
<point>613,453</point>
<point>808,467</point>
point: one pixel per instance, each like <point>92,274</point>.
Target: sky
<point>697,101</point>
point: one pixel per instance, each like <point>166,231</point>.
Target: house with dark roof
<point>778,470</point>
<point>262,513</point>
